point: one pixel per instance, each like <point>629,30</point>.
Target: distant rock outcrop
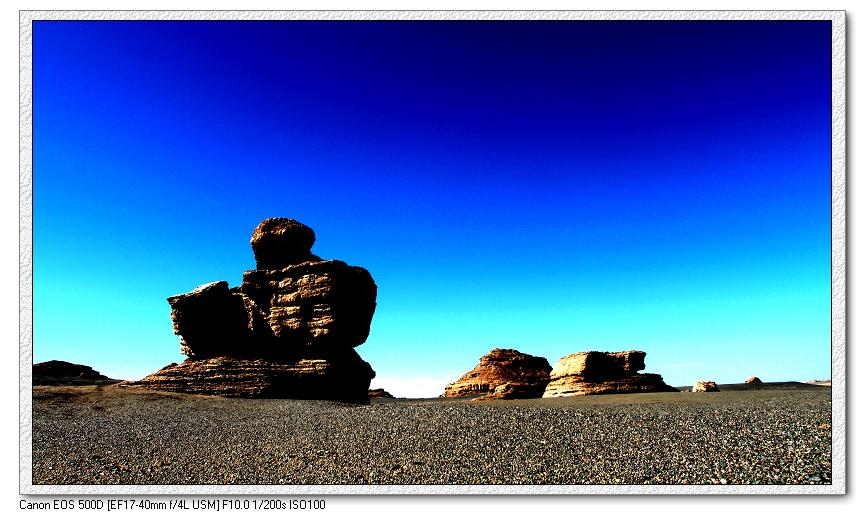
<point>289,330</point>
<point>819,382</point>
<point>379,392</point>
<point>503,374</point>
<point>753,380</point>
<point>56,372</point>
<point>593,372</point>
<point>705,386</point>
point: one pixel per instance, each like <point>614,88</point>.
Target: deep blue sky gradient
<point>548,186</point>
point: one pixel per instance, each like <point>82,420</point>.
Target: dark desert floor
<point>776,433</point>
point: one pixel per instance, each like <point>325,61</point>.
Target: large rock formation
<point>289,330</point>
<point>56,372</point>
<point>503,374</point>
<point>593,372</point>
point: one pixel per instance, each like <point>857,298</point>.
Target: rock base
<point>345,380</point>
<point>594,373</point>
<point>639,383</point>
<point>514,391</point>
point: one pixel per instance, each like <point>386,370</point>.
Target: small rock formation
<point>289,330</point>
<point>705,386</point>
<point>64,373</point>
<point>819,382</point>
<point>503,374</point>
<point>379,392</point>
<point>593,372</point>
<point>753,380</point>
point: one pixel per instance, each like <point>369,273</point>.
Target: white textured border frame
<point>839,252</point>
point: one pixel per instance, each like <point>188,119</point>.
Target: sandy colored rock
<point>637,383</point>
<point>513,391</point>
<point>527,376</point>
<point>593,373</point>
<point>819,382</point>
<point>601,364</point>
<point>705,386</point>
<point>753,380</point>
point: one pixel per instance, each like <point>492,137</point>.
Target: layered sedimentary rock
<point>324,305</point>
<point>342,378</point>
<point>593,372</point>
<point>56,372</point>
<point>705,386</point>
<point>513,391</point>
<point>289,329</point>
<point>504,374</point>
<point>379,392</point>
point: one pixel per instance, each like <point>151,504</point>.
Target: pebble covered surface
<point>112,435</point>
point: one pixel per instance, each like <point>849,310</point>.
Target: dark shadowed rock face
<point>279,242</point>
<point>302,315</point>
<point>210,320</point>
<point>508,373</point>
<point>56,372</point>
<point>593,372</point>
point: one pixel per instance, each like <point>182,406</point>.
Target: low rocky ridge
<point>593,372</point>
<point>289,330</point>
<point>379,392</point>
<point>503,374</point>
<point>56,372</point>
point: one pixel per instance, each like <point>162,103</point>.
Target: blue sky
<point>547,186</point>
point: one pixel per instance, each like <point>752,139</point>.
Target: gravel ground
<point>111,435</point>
